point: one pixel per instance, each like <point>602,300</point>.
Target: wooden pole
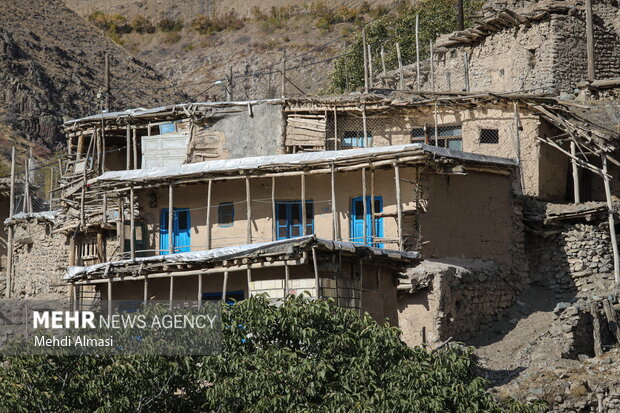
<point>401,82</point>
<point>372,206</point>
<point>590,41</point>
<point>230,83</point>
<point>436,126</point>
<point>284,75</point>
<point>460,15</point>
<point>248,205</point>
<point>146,288</point>
<point>573,152</point>
<point>209,214</point>
<point>383,61</point>
<point>171,290</point>
<point>9,246</point>
<point>286,279</point>
<point>109,297</point>
<point>361,284</point>
<point>128,148</point>
<point>417,50</point>
<point>334,210</point>
<point>27,207</point>
<point>51,187</point>
<point>366,143</point>
<point>107,82</point>
<point>466,70</point>
<point>132,225</point>
<point>274,227</point>
<point>199,297</point>
<point>610,216</point>
<point>135,149</point>
<point>398,206</point>
<point>315,263</point>
<point>365,209</point>
<point>120,225</point>
<point>432,70</point>
<point>365,59</point>
<point>224,285</point>
<point>249,280</point>
<point>80,148</point>
<point>518,144</point>
<point>335,128</point>
<point>303,203</point>
<point>170,219</point>
<point>370,71</point>
<point>596,329</point>
<point>104,213</point>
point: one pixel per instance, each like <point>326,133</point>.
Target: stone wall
<point>572,257</point>
<point>40,260</point>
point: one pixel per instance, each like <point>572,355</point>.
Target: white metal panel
<point>164,150</point>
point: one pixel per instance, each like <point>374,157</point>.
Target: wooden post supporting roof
<point>372,206</point>
<point>132,225</point>
<point>199,298</point>
<point>146,288</point>
<point>170,219</point>
<point>335,128</point>
<point>209,214</point>
<point>573,152</point>
<point>128,148</point>
<point>366,142</point>
<point>365,59</point>
<point>401,74</point>
<point>417,50</point>
<point>274,227</point>
<point>109,297</point>
<point>590,41</point>
<point>248,205</point>
<point>286,279</point>
<point>610,216</point>
<point>171,290</point>
<point>383,61</point>
<point>315,263</point>
<point>334,210</point>
<point>364,209</point>
<point>224,284</point>
<point>370,71</point>
<point>398,206</point>
<point>9,257</point>
<point>249,280</point>
<point>303,204</point>
<point>135,148</point>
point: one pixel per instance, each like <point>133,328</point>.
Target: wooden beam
<point>610,216</point>
<point>146,289</point>
<point>109,297</point>
<point>248,204</point>
<point>366,143</point>
<point>612,319</point>
<point>334,209</point>
<point>303,204</point>
<point>209,214</point>
<point>199,298</point>
<point>372,206</point>
<point>132,225</point>
<point>224,285</point>
<point>274,227</point>
<point>573,152</point>
<point>315,263</point>
<point>335,128</point>
<point>286,279</point>
<point>590,41</point>
<point>171,290</point>
<point>170,219</point>
<point>398,206</point>
<point>401,74</point>
<point>417,49</point>
<point>596,329</point>
<point>128,148</point>
<point>249,280</point>
<point>135,149</point>
<point>365,209</point>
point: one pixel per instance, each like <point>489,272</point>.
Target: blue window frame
<point>226,214</point>
<point>181,228</point>
<point>358,222</point>
<point>355,139</point>
<point>289,219</point>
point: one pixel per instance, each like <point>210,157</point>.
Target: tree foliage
<point>297,356</point>
<point>435,17</point>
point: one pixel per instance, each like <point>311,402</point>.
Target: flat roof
<point>280,163</point>
<point>240,251</point>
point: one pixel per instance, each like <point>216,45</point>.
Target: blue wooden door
<point>358,222</point>
<point>180,231</point>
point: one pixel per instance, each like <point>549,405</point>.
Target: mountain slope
<point>52,66</point>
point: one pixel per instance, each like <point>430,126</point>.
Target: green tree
<point>298,356</point>
<point>435,17</point>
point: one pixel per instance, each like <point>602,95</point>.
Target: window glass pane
<point>449,131</point>
<point>281,208</point>
<point>226,214</point>
<point>309,211</point>
<point>296,231</point>
<point>378,206</point>
<point>282,232</point>
<point>456,144</point>
<point>359,210</point>
<point>295,213</point>
<point>167,128</point>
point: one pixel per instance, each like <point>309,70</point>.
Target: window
<point>226,214</point>
<point>289,220</point>
<point>447,136</point>
<point>355,139</point>
<point>167,128</point>
<point>489,136</point>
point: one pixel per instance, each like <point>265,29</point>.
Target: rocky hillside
<point>52,66</point>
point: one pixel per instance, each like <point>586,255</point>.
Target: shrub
<point>167,25</point>
<point>141,24</point>
<point>171,37</point>
<point>208,25</point>
<point>297,356</point>
<point>111,23</point>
